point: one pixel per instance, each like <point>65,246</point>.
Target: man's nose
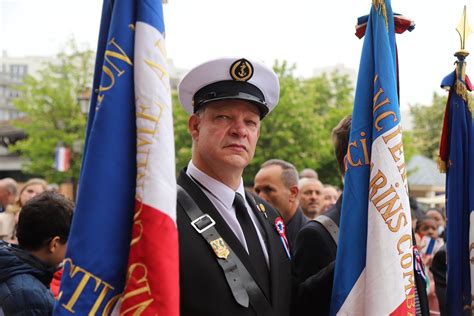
<point>238,128</point>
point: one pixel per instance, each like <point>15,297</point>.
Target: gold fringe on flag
<point>462,91</point>
<point>441,165</point>
<point>380,6</point>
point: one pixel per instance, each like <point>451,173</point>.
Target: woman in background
<point>32,188</point>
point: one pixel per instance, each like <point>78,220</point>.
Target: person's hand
<point>427,259</point>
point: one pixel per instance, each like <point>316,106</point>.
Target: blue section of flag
<point>151,12</point>
<point>98,246</point>
<point>459,199</point>
<point>377,70</point>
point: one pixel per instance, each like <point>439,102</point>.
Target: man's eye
<point>251,123</point>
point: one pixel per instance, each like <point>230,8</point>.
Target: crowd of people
<point>269,250</point>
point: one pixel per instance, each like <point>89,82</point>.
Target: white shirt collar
<point>219,190</point>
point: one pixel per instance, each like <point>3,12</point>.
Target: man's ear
<point>193,126</point>
<point>294,193</point>
<point>54,244</point>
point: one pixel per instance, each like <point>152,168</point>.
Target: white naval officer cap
<point>230,78</point>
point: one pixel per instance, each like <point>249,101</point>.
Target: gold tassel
<point>380,6</point>
<point>462,91</point>
<point>460,86</point>
<point>441,165</point>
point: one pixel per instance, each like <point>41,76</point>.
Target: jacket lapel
<point>221,226</point>
<point>273,242</point>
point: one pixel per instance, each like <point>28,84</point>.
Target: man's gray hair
<point>289,174</point>
<point>304,181</point>
<point>309,173</point>
<point>10,185</point>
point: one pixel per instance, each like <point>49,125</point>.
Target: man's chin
<point>237,161</point>
<point>314,211</point>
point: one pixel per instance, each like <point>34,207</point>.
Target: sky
<point>311,34</point>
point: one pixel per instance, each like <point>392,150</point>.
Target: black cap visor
<point>224,90</point>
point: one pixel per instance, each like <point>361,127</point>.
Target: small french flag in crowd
<point>63,155</point>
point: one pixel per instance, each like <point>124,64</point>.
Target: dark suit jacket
<point>293,227</point>
<point>313,266</point>
<point>203,287</point>
<point>439,269</point>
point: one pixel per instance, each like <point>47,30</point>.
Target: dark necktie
<point>253,243</point>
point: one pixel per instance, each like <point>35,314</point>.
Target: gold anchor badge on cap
<point>241,70</point>
<point>220,248</point>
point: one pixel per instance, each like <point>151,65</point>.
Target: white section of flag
<point>388,248</point>
<point>380,289</point>
<point>62,159</point>
<point>156,178</point>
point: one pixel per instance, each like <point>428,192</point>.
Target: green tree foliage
<point>427,126</point>
<point>182,139</point>
<point>52,113</point>
<point>298,130</point>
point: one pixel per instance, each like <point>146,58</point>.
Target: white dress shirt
<point>222,197</point>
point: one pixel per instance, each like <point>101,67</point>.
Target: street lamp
<point>83,99</point>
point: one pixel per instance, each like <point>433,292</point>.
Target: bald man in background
<point>311,197</point>
<point>277,183</point>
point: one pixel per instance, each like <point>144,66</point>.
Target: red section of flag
<point>468,83</point>
<point>407,307</point>
<point>153,267</point>
<point>443,144</point>
<point>67,158</point>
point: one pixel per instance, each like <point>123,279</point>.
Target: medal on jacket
<point>280,227</point>
<point>220,248</point>
<point>262,209</point>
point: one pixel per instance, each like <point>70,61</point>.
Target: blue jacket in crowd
<point>24,283</point>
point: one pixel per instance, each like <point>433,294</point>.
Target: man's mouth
<point>238,147</point>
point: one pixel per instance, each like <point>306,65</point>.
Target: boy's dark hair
<point>42,218</point>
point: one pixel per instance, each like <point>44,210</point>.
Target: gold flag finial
<point>464,30</point>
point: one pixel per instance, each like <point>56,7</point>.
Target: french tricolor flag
<point>62,158</point>
<point>122,255</point>
<point>374,272</point>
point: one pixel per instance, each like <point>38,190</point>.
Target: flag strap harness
<point>235,272</point>
<point>330,226</point>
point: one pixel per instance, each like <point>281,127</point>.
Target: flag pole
<point>464,30</point>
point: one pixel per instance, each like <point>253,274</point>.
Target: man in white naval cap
<point>234,256</point>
